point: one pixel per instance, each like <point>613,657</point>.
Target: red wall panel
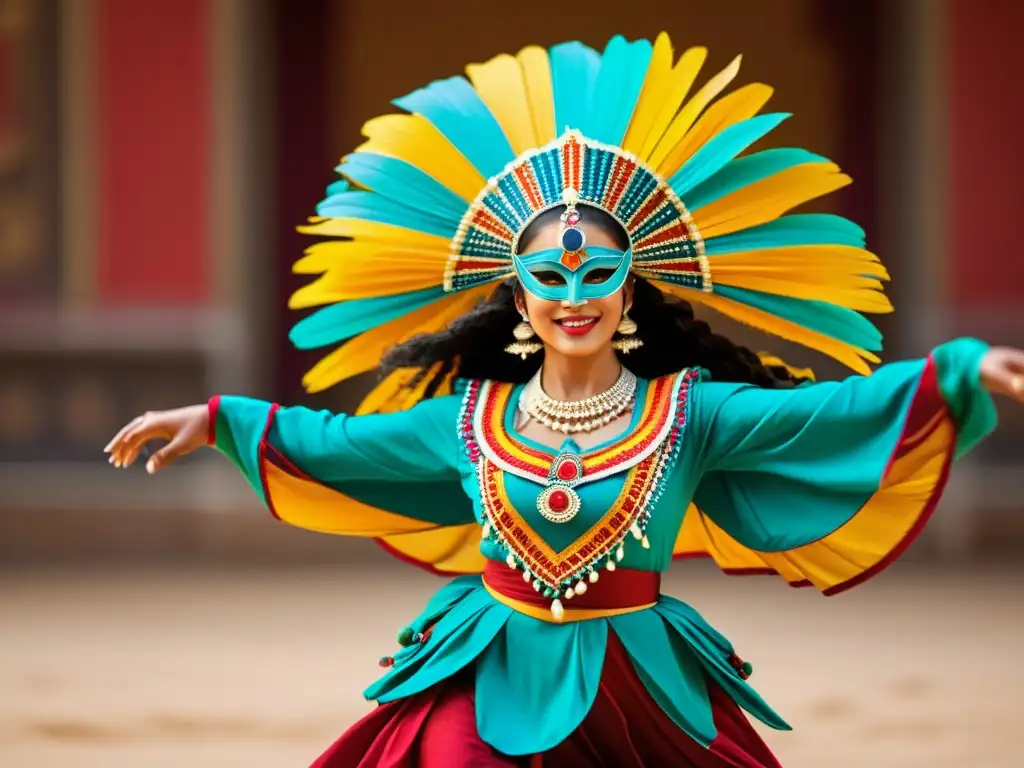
<point>986,113</point>
<point>152,119</point>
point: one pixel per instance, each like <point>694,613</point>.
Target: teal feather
<point>797,229</point>
<point>745,171</point>
<point>358,204</point>
<point>350,318</point>
<point>456,110</point>
<point>574,69</point>
<point>720,150</point>
<point>406,184</point>
<point>838,322</point>
<point>619,82</point>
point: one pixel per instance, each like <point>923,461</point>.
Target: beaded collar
<point>490,432</point>
<point>649,452</point>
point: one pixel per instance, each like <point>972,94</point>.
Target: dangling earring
<point>627,328</point>
<point>523,346</point>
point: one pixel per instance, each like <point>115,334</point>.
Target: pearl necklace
<point>571,417</point>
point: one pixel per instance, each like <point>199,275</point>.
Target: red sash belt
<point>620,591</point>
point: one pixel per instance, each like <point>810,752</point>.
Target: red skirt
<point>625,728</point>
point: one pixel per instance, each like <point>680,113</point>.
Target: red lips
<point>577,325</point>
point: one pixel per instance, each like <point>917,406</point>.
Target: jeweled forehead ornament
<point>568,270</point>
<point>572,238</point>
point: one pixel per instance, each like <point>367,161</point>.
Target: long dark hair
<point>473,346</point>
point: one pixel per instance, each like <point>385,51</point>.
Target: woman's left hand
<point>1002,372</point>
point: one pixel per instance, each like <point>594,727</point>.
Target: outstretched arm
<point>828,483</point>
<point>369,475</point>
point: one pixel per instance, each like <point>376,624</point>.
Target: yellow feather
<point>363,255</point>
<point>388,389</point>
<point>652,95</point>
<point>863,298</point>
<point>500,85</point>
<point>767,358</point>
<point>691,111</point>
<point>413,139</point>
<point>680,82</point>
<point>847,354</point>
<point>373,231</point>
<point>539,92</point>
<point>736,107</point>
<point>766,200</point>
<point>365,270</point>
<point>834,259</point>
<point>364,352</point>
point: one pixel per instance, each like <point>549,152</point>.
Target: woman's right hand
<point>184,429</point>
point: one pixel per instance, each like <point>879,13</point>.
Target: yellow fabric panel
<point>452,549</point>
<point>413,139</point>
<point>536,71</point>
<point>652,96</point>
<point>680,81</point>
<point>847,354</point>
<point>863,543</point>
<point>499,82</point>
<point>364,352</point>
<point>736,107</point>
<point>688,115</point>
<point>768,199</point>
<point>310,505</point>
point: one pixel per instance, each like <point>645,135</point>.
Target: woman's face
<point>582,330</point>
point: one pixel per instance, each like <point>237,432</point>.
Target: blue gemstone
<point>572,239</point>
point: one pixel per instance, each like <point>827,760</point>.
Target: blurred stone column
<point>914,218</point>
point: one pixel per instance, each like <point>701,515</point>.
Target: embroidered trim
<point>567,571</point>
<point>513,455</point>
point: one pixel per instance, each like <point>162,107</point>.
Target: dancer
<point>520,253</point>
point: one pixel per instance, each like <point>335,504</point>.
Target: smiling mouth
<point>578,325</point>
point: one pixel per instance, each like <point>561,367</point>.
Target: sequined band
<point>658,223</point>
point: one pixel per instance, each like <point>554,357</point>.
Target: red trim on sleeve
<point>261,460</point>
<point>212,407</point>
<point>921,420</point>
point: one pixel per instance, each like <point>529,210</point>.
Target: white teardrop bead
<point>536,585</point>
<point>611,565</point>
<point>637,533</point>
<point>570,593</point>
<point>621,553</point>
<point>581,587</point>
<point>594,576</point>
<point>511,560</point>
<point>557,610</point>
<point>645,543</point>
<point>527,576</point>
<point>487,530</point>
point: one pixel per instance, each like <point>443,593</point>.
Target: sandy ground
<point>194,667</point>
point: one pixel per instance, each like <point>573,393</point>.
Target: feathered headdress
<point>427,212</point>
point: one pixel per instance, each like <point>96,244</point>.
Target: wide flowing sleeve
<point>828,483</point>
<point>392,476</point>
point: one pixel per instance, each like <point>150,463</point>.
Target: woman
<point>559,444</point>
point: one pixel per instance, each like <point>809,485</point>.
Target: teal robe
<point>824,484</point>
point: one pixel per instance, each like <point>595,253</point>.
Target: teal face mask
<point>570,265</point>
<point>573,287</point>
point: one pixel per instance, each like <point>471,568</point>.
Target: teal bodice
<point>822,484</point>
